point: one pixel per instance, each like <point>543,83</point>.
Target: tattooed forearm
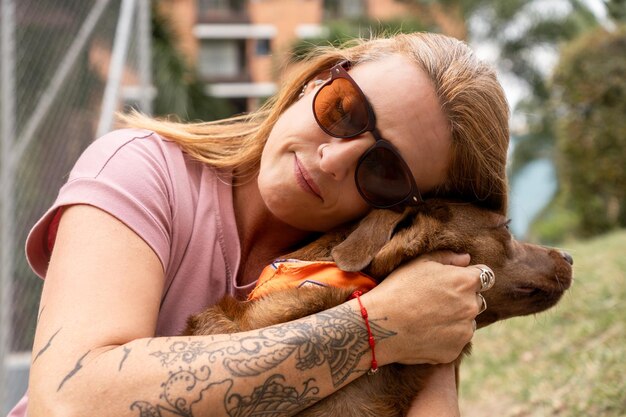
<point>335,339</point>
<point>126,353</point>
<point>338,338</point>
<point>73,372</point>
<point>43,349</point>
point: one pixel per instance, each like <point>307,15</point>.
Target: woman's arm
<point>439,397</point>
<point>94,350</point>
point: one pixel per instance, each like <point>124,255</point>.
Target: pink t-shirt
<point>179,206</point>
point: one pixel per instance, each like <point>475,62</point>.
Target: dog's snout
<point>567,257</point>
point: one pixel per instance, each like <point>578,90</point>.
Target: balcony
<point>234,31</point>
<point>222,11</point>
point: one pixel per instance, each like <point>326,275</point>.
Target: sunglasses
<point>341,110</point>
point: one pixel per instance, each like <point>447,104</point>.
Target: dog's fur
<point>529,279</point>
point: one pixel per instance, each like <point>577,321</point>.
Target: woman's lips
<point>304,180</point>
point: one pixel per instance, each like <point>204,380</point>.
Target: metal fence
<point>65,67</point>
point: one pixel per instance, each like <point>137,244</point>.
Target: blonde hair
<point>467,88</point>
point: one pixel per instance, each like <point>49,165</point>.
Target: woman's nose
<point>338,157</point>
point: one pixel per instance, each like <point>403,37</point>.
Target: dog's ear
<point>372,233</point>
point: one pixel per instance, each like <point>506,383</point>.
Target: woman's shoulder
<point>136,144</point>
<point>140,178</point>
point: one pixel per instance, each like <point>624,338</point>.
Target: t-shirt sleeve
<point>126,173</point>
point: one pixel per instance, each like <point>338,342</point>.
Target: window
<point>263,47</point>
<point>344,9</point>
<point>220,58</point>
<point>221,5</point>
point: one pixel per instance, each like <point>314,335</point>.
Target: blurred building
<point>240,47</point>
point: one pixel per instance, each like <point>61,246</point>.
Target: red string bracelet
<point>357,294</point>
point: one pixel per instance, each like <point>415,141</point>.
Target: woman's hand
<point>430,303</point>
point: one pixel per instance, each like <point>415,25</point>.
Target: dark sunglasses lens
<point>382,178</point>
<point>340,109</point>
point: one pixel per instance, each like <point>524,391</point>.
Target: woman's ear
<point>372,233</point>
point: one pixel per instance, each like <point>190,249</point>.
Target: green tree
<point>179,91</point>
<point>342,30</point>
<point>616,9</point>
<point>589,99</point>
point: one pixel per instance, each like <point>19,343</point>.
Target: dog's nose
<point>567,257</point>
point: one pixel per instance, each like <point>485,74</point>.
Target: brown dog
<point>529,279</point>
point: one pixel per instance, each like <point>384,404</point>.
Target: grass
<point>568,361</point>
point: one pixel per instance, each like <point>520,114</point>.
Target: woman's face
<point>307,177</point>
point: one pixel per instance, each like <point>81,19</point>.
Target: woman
<point>157,224</point>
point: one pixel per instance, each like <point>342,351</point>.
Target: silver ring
<point>483,305</point>
<point>474,325</point>
<point>487,279</point>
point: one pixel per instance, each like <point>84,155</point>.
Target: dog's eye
<point>501,225</point>
<point>506,224</point>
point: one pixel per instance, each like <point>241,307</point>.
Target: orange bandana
<point>293,273</point>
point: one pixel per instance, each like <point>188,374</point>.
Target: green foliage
<point>616,10</point>
<point>590,102</point>
<point>556,223</point>
<point>179,91</point>
<point>521,53</point>
<point>342,31</point>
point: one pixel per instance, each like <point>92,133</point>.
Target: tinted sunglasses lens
<point>382,178</point>
<point>340,109</point>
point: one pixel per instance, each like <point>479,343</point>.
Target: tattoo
<point>126,353</point>
<point>256,365</point>
<point>337,338</point>
<point>186,351</point>
<point>334,338</point>
<point>77,368</point>
<point>273,399</point>
<point>184,390</point>
<point>181,392</point>
<point>40,313</point>
<point>46,346</point>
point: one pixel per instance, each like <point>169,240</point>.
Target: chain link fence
<point>66,67</point>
